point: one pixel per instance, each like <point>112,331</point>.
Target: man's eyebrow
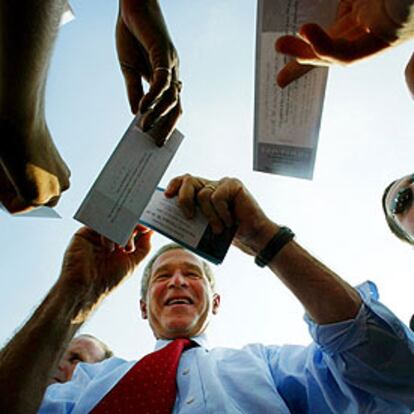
<point>75,354</point>
<point>187,265</point>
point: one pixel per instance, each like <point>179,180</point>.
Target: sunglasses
<point>403,199</point>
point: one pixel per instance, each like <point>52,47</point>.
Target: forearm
<point>151,29</point>
<point>326,297</point>
<point>29,359</point>
<point>28,33</point>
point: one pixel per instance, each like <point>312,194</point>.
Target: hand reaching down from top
<point>145,51</point>
<point>32,173</point>
<point>362,28</point>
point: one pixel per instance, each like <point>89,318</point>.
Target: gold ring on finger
<point>163,68</point>
<point>212,187</point>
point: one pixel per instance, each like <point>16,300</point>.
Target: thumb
<point>142,245</point>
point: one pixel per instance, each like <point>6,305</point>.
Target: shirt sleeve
<point>62,398</point>
<point>366,362</point>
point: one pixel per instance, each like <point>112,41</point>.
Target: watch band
<point>273,247</point>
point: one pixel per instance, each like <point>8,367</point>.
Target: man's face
<point>80,349</point>
<point>179,300</point>
<point>399,204</point>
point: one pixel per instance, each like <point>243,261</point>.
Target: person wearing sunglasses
<point>397,203</point>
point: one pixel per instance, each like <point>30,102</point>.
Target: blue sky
<point>365,142</point>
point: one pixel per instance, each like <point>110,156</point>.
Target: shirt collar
<point>200,340</point>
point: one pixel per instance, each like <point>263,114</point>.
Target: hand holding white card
<point>287,121</point>
<point>125,185</point>
<point>164,215</point>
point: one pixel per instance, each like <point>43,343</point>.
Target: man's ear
<point>216,303</point>
<point>143,306</point>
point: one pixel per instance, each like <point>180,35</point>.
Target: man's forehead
<point>175,257</point>
<point>83,343</point>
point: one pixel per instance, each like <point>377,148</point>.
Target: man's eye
<point>193,275</point>
<point>162,276</point>
<point>75,359</point>
<point>402,200</point>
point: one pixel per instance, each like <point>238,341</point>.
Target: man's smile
<point>182,300</point>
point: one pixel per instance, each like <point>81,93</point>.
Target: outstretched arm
<point>362,28</point>
<point>32,171</point>
<point>326,297</point>
<point>91,269</point>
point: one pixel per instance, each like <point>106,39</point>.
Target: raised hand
<point>94,266</point>
<point>145,51</point>
<point>224,202</point>
<point>362,28</point>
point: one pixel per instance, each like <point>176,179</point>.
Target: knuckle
<point>187,178</point>
<point>215,198</point>
<point>203,195</point>
<point>231,182</point>
<point>53,201</point>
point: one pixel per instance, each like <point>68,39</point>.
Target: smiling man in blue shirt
<point>361,360</point>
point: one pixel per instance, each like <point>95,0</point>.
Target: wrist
<point>263,235</point>
<point>267,255</point>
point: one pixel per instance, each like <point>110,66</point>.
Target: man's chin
<point>178,330</point>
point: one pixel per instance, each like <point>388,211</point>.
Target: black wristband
<point>276,243</point>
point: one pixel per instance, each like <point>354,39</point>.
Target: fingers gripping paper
<point>287,120</point>
<point>165,216</point>
<point>125,185</point>
<point>125,193</point>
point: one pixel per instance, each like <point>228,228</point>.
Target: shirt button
<point>186,371</point>
<point>190,400</point>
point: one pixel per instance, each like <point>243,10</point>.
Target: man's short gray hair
<point>171,246</point>
<point>105,348</point>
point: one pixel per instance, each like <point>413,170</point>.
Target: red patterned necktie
<point>149,387</point>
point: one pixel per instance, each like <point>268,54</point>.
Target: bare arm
<point>91,269</point>
<point>28,359</point>
<point>32,170</point>
<point>326,297</point>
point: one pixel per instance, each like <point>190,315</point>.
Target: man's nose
<point>66,370</point>
<point>178,279</point>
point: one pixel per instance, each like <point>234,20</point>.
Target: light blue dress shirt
<point>364,365</point>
